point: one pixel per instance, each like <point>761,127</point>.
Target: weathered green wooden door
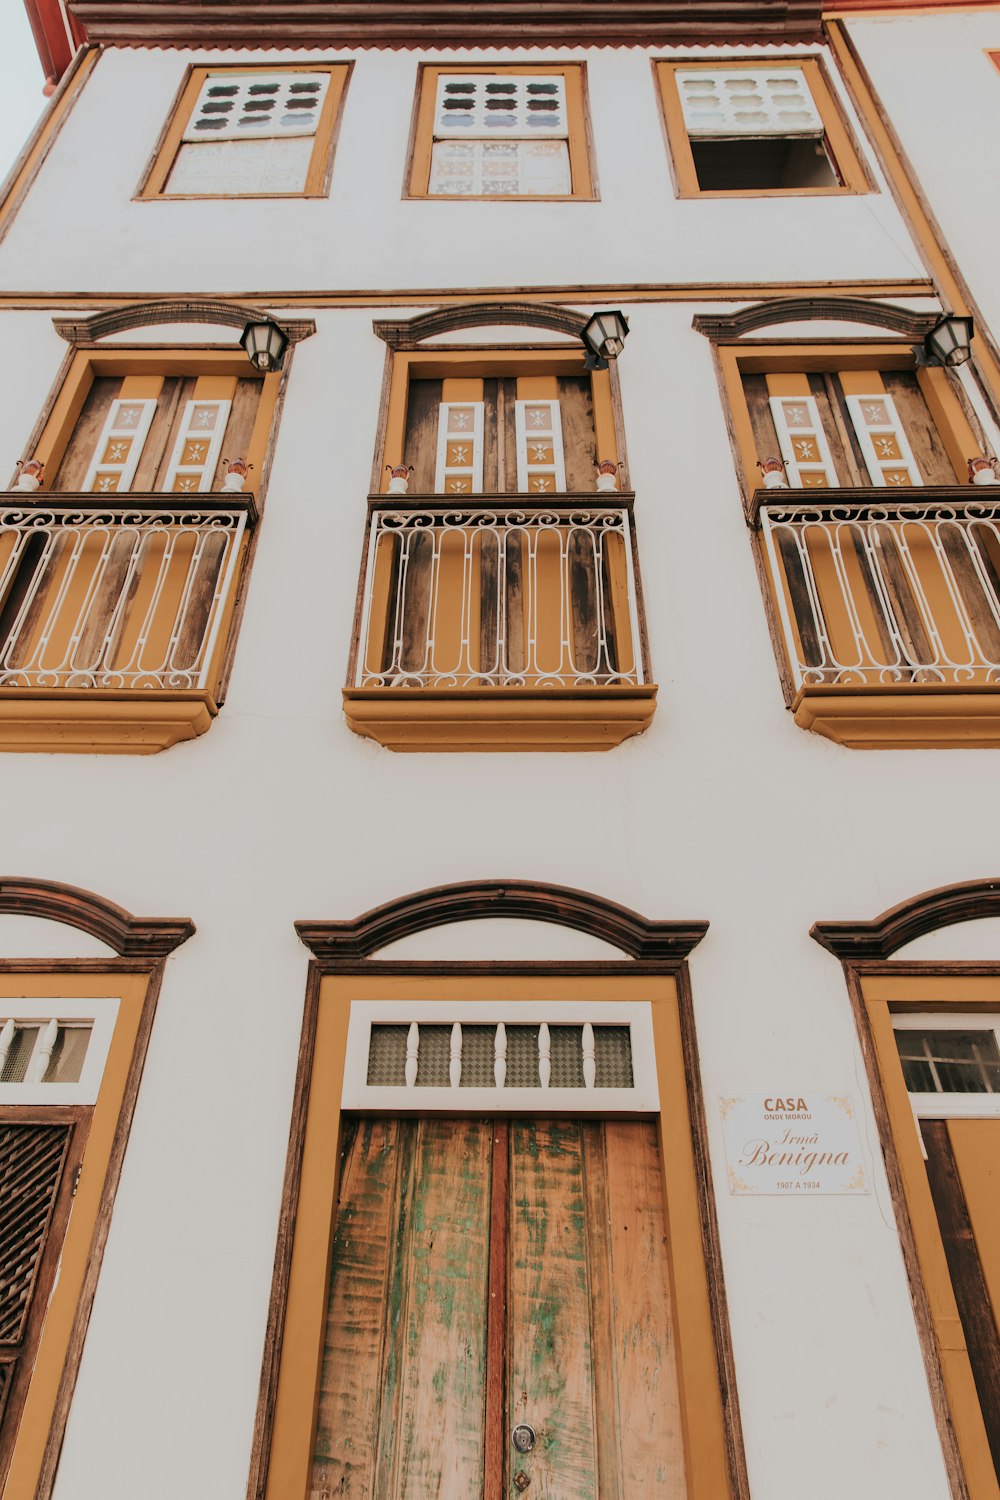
<point>487,1274</point>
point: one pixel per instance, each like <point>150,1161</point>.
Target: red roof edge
<point>55,37</point>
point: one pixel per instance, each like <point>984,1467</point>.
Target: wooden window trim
<point>153,184</point>
<point>283,1438</point>
<point>140,721</point>
<point>581,155</point>
<point>839,137</point>
<point>878,991</point>
<point>862,716</point>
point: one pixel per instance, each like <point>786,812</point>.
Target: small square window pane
<point>66,1062</point>
<point>19,1054</point>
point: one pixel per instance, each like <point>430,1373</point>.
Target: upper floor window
<point>250,132</point>
<point>501,132</point>
<point>757,126</point>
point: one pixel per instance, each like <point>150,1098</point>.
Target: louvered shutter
<point>540,465</point>
<point>459,468</point>
<point>196,451</point>
<point>808,460</point>
<point>740,102</point>
<point>883,442</point>
<point>481,105</point>
<point>120,446</point>
<point>249,106</point>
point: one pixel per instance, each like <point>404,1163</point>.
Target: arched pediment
<point>154,311</point>
<point>408,333</point>
<point>881,937</point>
<point>130,937</point>
<point>526,900</point>
<point>910,325</point>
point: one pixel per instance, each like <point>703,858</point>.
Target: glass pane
<point>949,1062</point>
<point>66,1062</point>
<point>19,1054</point>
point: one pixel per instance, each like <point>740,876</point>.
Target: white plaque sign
<point>792,1144</point>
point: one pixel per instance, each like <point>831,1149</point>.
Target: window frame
<point>839,139</point>
<point>583,180</point>
<point>153,183</point>
<point>285,1420</point>
<point>882,993</point>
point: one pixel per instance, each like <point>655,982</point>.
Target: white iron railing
<point>500,595</point>
<point>877,592</point>
<point>108,596</point>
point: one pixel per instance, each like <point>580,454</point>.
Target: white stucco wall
<point>942,93</point>
<point>723,810</point>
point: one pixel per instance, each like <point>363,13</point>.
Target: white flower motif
<point>128,416</point>
<point>796,416</point>
<point>460,420</point>
<point>117,452</point>
<point>461,454</point>
<point>538,419</point>
<point>186,485</point>
<point>459,486</point>
<point>542,486</point>
<point>874,412</point>
<point>899,480</point>
<point>886,447</point>
<point>806,448</point>
<point>106,484</point>
<point>206,418</point>
<point>198,451</point>
<point>539,452</point>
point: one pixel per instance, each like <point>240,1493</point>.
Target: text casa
<point>784,1106</point>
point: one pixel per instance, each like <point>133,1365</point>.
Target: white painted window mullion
<point>119,447</point>
<point>888,455</point>
<point>459,467</point>
<point>199,443</point>
<point>804,447</point>
<point>541,467</point>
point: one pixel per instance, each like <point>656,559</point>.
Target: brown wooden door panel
<point>486,1275</point>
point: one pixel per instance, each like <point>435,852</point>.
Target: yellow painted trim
<point>155,184</point>
<point>295,1404</point>
<point>903,716</point>
<point>581,175</point>
<point>838,139</point>
<point>102,721</point>
<point>40,1404</point>
<point>948,415</point>
<point>948,992</point>
<point>461,390</point>
<point>17,185</point>
<point>458,719</point>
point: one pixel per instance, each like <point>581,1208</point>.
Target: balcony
<point>890,612</point>
<point>113,617</point>
<point>506,622</point>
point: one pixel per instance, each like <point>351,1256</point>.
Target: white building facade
<point>554,721</point>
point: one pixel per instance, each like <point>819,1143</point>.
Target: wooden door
<point>489,1274</point>
<point>963,1169</point>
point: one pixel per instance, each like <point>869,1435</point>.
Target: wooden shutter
<point>249,106</point>
<point>540,464</point>
<point>804,447</point>
<point>884,444</point>
<point>196,450</point>
<point>459,469</point>
<point>120,446</point>
<point>510,105</point>
<point>731,102</point>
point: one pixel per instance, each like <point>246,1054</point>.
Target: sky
<point>21,82</point>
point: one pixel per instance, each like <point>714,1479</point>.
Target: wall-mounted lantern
<point>948,342</point>
<point>604,336</point>
<point>265,344</point>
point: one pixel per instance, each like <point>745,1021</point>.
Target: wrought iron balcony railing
<point>500,592</point>
<point>875,590</point>
<point>122,592</point>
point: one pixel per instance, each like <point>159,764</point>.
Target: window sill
<point>100,721</point>
<point>449,719</point>
<point>921,716</point>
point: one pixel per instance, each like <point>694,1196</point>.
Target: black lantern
<point>948,341</point>
<point>265,344</point>
<point>604,336</point>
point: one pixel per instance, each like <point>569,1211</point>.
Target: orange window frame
<point>157,175</point>
<point>838,138</point>
<point>582,176</point>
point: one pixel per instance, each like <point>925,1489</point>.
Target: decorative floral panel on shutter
<point>196,451</point>
<point>507,104</point>
<point>501,169</point>
<point>460,448</point>
<point>540,466</point>
<point>736,101</point>
<point>887,453</point>
<point>808,461</point>
<point>120,446</point>
<point>237,107</point>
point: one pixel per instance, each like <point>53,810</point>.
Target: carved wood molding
<point>174,310</point>
<point>408,333</point>
<point>912,325</point>
<point>130,937</point>
<point>880,938</point>
<point>334,943</point>
<point>418,23</point>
